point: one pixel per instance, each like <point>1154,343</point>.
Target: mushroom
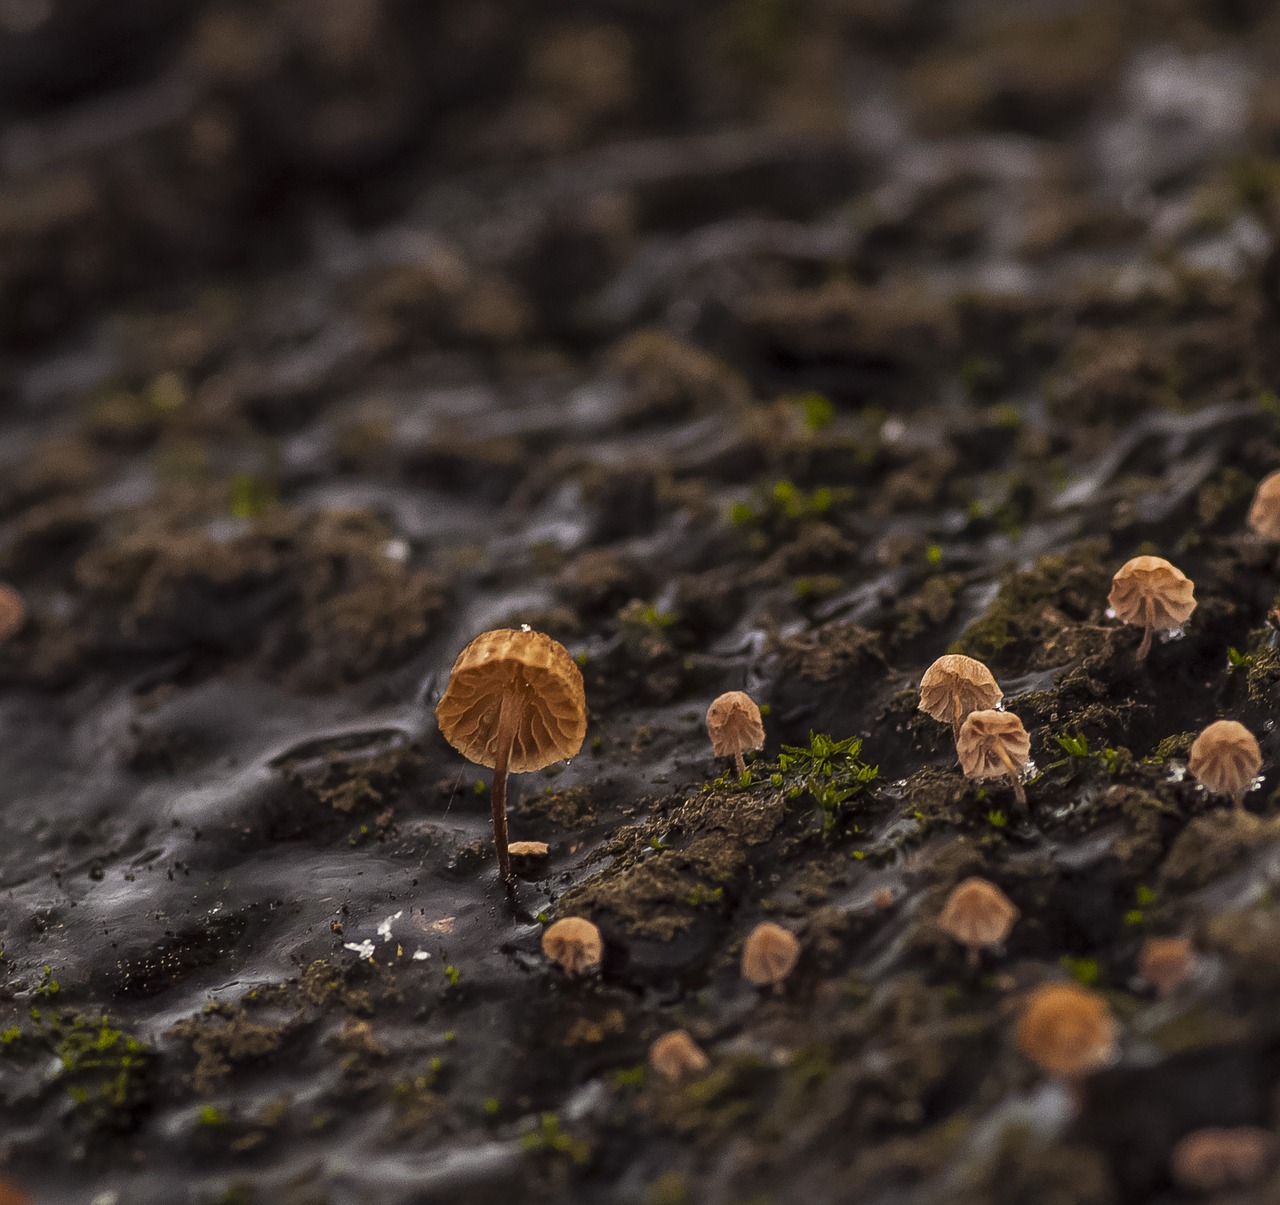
<point>574,943</point>
<point>515,703</point>
<point>11,1194</point>
<point>1066,1030</point>
<point>735,726</point>
<point>1226,759</point>
<point>675,1055</point>
<point>13,612</point>
<point>1264,510</point>
<point>1211,1160</point>
<point>1149,591</point>
<point>769,955</point>
<point>994,744</point>
<point>955,685</point>
<point>978,915</point>
<point>1165,962</point>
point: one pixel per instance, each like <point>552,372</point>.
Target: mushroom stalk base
<point>1014,777</point>
<point>739,763</point>
<point>508,722</point>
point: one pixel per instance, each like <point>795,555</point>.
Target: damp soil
<point>763,346</point>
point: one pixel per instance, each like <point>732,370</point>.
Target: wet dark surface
<point>762,346</point>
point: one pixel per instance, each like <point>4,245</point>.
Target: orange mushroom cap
<point>1151,592</point>
<point>1165,962</point>
<point>978,914</point>
<point>1066,1029</point>
<point>954,685</point>
<point>553,720</point>
<point>675,1055</point>
<point>769,955</point>
<point>1211,1160</point>
<point>13,612</point>
<point>1225,757</point>
<point>574,943</point>
<point>984,737</point>
<point>734,724</point>
<point>1264,511</point>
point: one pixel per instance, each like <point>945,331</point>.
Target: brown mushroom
<point>1211,1160</point>
<point>515,703</point>
<point>1149,591</point>
<point>735,726</point>
<point>13,612</point>
<point>1066,1030</point>
<point>1165,962</point>
<point>1264,510</point>
<point>955,685</point>
<point>994,744</point>
<point>769,955</point>
<point>574,943</point>
<point>978,915</point>
<point>1226,759</point>
<point>675,1055</point>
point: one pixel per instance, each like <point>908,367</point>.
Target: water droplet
<point>524,627</point>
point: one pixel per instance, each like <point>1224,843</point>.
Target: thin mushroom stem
<point>1014,775</point>
<point>508,723</point>
<point>957,722</point>
<point>972,958</point>
<point>739,762</point>
<point>1144,648</point>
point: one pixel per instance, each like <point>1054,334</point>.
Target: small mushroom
<point>735,726</point>
<point>574,943</point>
<point>1066,1030</point>
<point>1165,962</point>
<point>769,954</point>
<point>994,744</point>
<point>955,685</point>
<point>1264,511</point>
<point>675,1055</point>
<point>1153,593</point>
<point>978,915</point>
<point>1212,1160</point>
<point>13,612</point>
<point>1225,757</point>
<point>515,703</point>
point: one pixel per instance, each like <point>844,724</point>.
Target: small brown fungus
<point>1150,592</point>
<point>13,612</point>
<point>955,685</point>
<point>676,1055</point>
<point>1264,510</point>
<point>574,943</point>
<point>978,915</point>
<point>994,744</point>
<point>769,955</point>
<point>1212,1160</point>
<point>735,727</point>
<point>1066,1030</point>
<point>514,703</point>
<point>528,849</point>
<point>1165,962</point>
<point>1226,759</point>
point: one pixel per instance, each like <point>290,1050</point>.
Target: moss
<point>1039,615</point>
<point>222,1038</point>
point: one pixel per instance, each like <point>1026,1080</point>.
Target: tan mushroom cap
<point>1225,757</point>
<point>1152,593</point>
<point>1211,1160</point>
<point>1066,1030</point>
<point>734,724</point>
<point>1264,511</point>
<point>955,685</point>
<point>675,1055</point>
<point>528,849</point>
<point>992,744</point>
<point>978,914</point>
<point>574,943</point>
<point>13,612</point>
<point>769,955</point>
<point>1165,962</point>
<point>554,718</point>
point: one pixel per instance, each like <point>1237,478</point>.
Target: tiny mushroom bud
<point>1066,1030</point>
<point>994,744</point>
<point>955,685</point>
<point>514,702</point>
<point>735,726</point>
<point>574,943</point>
<point>1153,593</point>
<point>769,955</point>
<point>13,612</point>
<point>978,915</point>
<point>1264,511</point>
<point>1225,757</point>
<point>1212,1160</point>
<point>676,1054</point>
<point>1165,962</point>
